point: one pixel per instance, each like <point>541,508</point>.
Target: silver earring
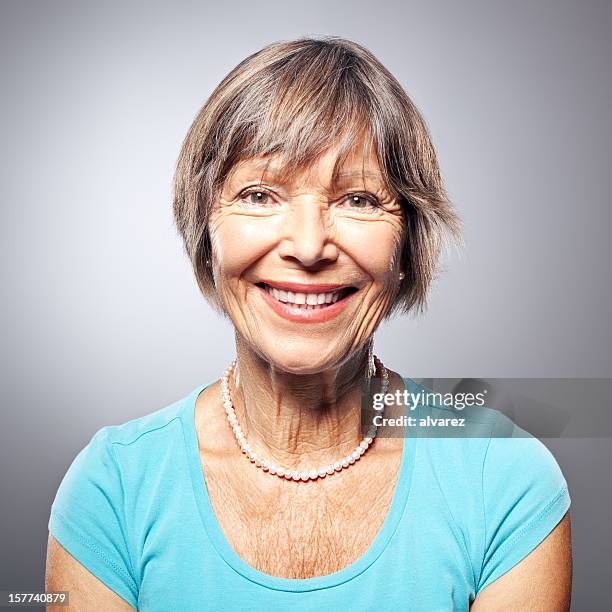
<point>208,262</point>
<point>402,276</point>
<point>371,364</point>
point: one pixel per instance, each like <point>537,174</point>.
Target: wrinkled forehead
<point>331,170</point>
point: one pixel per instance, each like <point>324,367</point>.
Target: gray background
<point>102,320</point>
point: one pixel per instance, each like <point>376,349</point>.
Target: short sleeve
<point>524,497</point>
<point>87,517</point>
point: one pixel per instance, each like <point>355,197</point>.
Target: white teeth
<point>304,300</point>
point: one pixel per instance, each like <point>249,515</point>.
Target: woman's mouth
<point>312,304</point>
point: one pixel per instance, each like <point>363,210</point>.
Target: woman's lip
<point>303,287</point>
<point>303,315</point>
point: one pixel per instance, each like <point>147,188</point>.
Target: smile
<point>304,303</point>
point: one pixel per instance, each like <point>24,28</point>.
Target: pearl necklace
<point>276,470</point>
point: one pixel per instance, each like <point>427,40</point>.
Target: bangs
<point>297,109</point>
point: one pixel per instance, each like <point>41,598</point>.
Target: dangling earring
<point>402,276</point>
<point>371,364</point>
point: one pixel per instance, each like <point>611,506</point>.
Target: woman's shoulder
<point>120,467</point>
<point>524,496</point>
<point>149,433</point>
<point>116,450</point>
<point>494,450</point>
<point>503,486</point>
<point>133,430</point>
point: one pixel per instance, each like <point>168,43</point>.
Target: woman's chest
<point>412,573</point>
<point>296,529</point>
<point>184,563</point>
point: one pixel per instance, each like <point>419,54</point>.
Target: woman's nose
<point>307,233</point>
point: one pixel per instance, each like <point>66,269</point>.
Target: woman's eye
<point>256,198</point>
<point>360,201</point>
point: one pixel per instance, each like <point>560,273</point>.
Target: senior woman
<point>311,207</point>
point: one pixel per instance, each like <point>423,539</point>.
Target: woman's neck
<point>298,421</point>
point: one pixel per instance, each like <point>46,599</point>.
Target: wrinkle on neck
<point>298,420</point>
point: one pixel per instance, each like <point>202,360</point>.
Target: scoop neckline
<point>229,555</point>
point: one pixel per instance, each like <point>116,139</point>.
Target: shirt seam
<point>98,552</point>
<point>538,517</point>
<point>124,522</point>
<point>482,498</point>
<point>143,433</point>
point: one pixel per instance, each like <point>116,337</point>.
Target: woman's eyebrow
<point>359,174</point>
<point>376,178</point>
<point>270,171</point>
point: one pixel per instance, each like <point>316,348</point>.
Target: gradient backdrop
<point>102,320</point>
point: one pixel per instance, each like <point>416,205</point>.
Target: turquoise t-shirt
<point>134,510</point>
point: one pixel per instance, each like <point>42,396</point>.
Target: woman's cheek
<point>239,241</point>
<point>372,246</point>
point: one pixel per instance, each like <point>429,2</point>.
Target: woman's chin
<point>306,362</point>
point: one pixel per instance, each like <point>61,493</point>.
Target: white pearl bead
<point>264,465</point>
<point>351,459</point>
<point>337,466</point>
<point>355,455</point>
<point>280,471</point>
<point>360,450</point>
<point>288,474</point>
<point>272,469</point>
<point>304,476</point>
<point>345,462</point>
<point>313,474</point>
<point>330,469</point>
<point>322,472</point>
<point>295,475</point>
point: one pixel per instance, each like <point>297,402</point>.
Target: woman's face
<point>306,269</point>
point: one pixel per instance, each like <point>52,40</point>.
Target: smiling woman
<point>347,232</point>
<point>311,207</point>
<point>294,104</point>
